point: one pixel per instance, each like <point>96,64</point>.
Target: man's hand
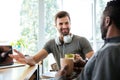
<point>18,57</point>
<point>22,59</point>
<point>61,72</point>
<point>77,57</point>
<point>79,63</point>
<point>78,66</point>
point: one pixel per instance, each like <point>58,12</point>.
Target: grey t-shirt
<point>78,45</point>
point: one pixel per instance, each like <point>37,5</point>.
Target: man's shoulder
<point>79,37</point>
<point>111,46</point>
<point>51,40</point>
<point>110,49</point>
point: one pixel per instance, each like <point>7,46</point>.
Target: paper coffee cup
<point>69,63</point>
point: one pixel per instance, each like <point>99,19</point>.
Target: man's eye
<point>61,24</point>
<point>67,23</point>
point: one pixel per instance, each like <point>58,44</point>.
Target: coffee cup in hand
<point>69,63</point>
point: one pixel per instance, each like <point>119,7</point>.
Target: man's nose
<point>64,26</point>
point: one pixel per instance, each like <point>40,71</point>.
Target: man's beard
<point>65,33</point>
<point>103,31</point>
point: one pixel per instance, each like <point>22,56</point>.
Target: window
<point>50,9</point>
<point>20,23</point>
<point>9,17</point>
<point>85,17</point>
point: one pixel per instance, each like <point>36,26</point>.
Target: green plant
<point>19,43</point>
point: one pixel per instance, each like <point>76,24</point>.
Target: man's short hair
<point>61,14</point>
<point>112,10</point>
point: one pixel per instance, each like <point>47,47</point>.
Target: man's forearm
<point>30,61</point>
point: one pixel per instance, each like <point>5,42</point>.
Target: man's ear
<point>107,21</point>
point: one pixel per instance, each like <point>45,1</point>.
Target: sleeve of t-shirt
<point>86,46</point>
<point>48,46</point>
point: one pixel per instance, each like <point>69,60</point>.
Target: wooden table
<point>20,73</point>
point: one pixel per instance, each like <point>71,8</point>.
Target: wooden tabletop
<point>18,73</point>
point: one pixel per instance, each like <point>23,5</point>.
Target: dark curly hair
<point>112,10</point>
